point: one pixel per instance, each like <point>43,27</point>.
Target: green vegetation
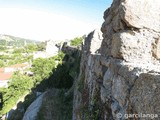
<point>65,73</point>
<point>41,46</point>
<point>15,55</point>
<point>8,40</point>
<point>30,48</point>
<point>57,72</point>
<point>91,111</point>
<point>1,63</point>
<point>14,50</point>
<point>43,67</point>
<point>7,60</point>
<point>20,85</point>
<point>60,99</point>
<point>77,41</point>
<point>35,47</point>
<point>22,107</point>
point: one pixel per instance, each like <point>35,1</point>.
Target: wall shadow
<point>61,78</point>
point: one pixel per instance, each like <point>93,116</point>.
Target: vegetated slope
<point>10,40</point>
<point>58,101</point>
<point>54,76</point>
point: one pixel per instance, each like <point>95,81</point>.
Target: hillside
<point>10,40</point>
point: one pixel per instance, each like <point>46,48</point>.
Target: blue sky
<point>87,14</point>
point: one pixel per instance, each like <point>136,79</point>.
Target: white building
<point>51,48</point>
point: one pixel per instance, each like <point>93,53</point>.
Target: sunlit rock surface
<point>33,109</point>
<point>120,74</point>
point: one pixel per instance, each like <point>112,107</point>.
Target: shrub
<point>77,41</point>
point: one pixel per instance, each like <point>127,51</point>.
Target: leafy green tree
<point>77,41</point>
<point>42,69</point>
<point>41,46</point>
<point>21,82</point>
<point>18,86</point>
<point>1,63</point>
<point>30,48</point>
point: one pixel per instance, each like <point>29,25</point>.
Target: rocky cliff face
<point>120,74</point>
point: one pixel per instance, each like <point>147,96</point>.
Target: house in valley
<point>7,72</point>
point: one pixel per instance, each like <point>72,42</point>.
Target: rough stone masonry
<point>120,72</point>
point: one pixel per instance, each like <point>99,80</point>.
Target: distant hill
<point>10,40</point>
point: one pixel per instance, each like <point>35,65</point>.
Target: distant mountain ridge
<point>9,40</point>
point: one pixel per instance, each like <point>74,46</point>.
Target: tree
<point>1,63</point>
<point>42,68</point>
<point>41,46</point>
<point>77,41</point>
<point>18,86</point>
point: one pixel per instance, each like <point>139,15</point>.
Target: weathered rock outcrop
<point>121,76</point>
<point>33,109</point>
<point>86,84</point>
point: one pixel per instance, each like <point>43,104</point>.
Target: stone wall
<point>120,74</point>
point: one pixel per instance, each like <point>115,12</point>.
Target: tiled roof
<point>5,76</point>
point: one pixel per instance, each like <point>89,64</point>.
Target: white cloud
<point>40,25</point>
